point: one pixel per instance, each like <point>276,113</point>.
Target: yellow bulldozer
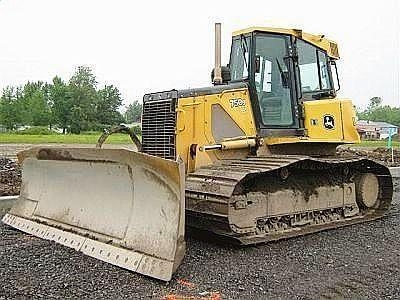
<point>249,159</point>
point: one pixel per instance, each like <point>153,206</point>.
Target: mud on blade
<point>119,206</point>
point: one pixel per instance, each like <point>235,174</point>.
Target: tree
<point>10,106</point>
<point>374,102</point>
<point>82,90</point>
<point>77,117</point>
<point>376,112</point>
<point>36,108</point>
<point>74,106</point>
<point>61,104</point>
<point>133,113</point>
<point>108,101</point>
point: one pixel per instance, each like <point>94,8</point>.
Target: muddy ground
<point>381,155</point>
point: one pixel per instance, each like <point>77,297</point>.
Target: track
<point>229,199</point>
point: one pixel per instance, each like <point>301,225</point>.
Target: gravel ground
<point>360,261</point>
<point>10,177</point>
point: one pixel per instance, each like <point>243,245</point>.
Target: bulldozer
<point>250,159</point>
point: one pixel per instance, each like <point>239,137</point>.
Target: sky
<point>150,46</point>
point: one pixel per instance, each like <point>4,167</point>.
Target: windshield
<point>272,80</point>
<point>240,58</point>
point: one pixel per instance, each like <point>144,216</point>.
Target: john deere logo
<point>329,122</point>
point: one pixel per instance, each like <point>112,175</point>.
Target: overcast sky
<point>145,46</point>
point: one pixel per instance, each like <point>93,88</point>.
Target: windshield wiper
<point>284,78</point>
<point>244,48</point>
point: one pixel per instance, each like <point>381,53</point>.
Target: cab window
<point>313,65</point>
<point>239,63</point>
<point>323,67</point>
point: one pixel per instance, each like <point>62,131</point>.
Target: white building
<point>375,130</point>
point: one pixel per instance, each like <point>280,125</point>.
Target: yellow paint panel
<point>194,125</point>
<point>323,119</point>
<point>345,131</point>
<point>237,105</point>
<point>349,122</point>
<point>320,41</point>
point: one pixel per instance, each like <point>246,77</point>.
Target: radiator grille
<point>158,124</point>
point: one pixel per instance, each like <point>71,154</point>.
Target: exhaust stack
<point>217,68</point>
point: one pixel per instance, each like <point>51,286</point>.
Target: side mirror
<point>257,64</point>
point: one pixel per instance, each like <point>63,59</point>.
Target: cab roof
<point>319,41</point>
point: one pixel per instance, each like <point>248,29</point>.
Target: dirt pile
<point>10,177</point>
<point>381,155</point>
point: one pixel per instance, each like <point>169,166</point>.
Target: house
<point>374,130</point>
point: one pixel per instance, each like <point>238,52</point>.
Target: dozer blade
<point>122,207</point>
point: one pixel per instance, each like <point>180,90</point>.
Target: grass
<point>396,144</point>
<point>10,138</point>
<point>91,138</point>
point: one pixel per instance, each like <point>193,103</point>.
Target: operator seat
<point>271,108</point>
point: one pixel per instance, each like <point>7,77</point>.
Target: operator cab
<point>283,68</point>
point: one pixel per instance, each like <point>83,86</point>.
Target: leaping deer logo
<point>329,122</point>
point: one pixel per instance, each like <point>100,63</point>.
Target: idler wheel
<point>367,190</point>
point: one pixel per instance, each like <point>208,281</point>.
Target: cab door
<point>274,82</point>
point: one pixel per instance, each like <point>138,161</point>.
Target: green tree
<point>108,101</point>
<point>386,114</point>
<point>61,104</point>
<point>74,106</point>
<point>83,94</point>
<point>133,113</point>
<point>378,112</point>
<point>36,108</point>
<point>77,119</point>
<point>374,102</point>
<point>10,107</point>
